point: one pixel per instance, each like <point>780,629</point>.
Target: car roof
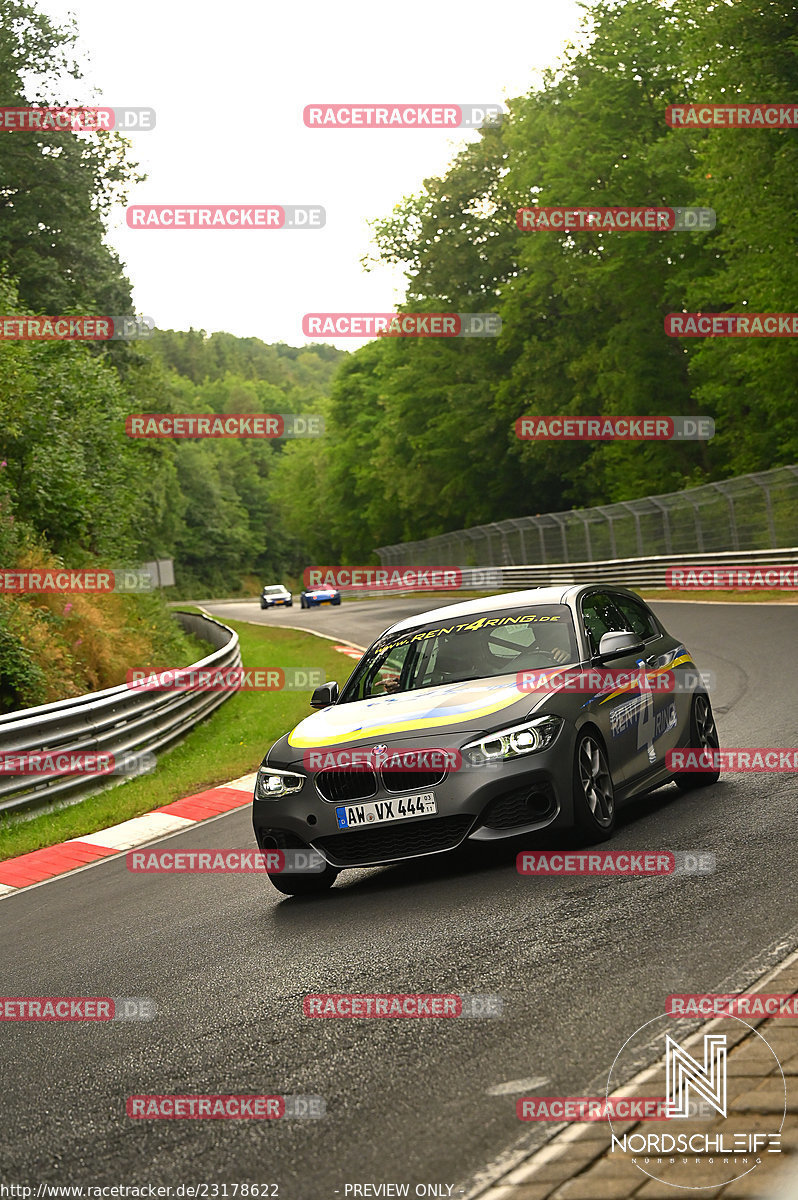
<point>555,594</point>
<point>559,594</point>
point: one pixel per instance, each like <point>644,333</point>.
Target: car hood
<point>467,707</point>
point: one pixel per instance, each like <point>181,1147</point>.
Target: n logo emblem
<point>684,1073</point>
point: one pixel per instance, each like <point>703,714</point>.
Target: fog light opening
<point>539,804</point>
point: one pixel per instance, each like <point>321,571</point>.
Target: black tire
<point>291,603</point>
<point>338,601</point>
<point>703,736</point>
<point>593,790</point>
<point>306,884</point>
<point>302,601</point>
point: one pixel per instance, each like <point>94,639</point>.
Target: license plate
<point>377,812</point>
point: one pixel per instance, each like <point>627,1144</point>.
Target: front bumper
<point>475,803</point>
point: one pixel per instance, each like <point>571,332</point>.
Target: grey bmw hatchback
<point>486,719</point>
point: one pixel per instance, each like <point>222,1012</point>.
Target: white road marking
<point>134,832</point>
<point>245,784</point>
<point>515,1087</point>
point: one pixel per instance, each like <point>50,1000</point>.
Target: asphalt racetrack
<point>580,964</point>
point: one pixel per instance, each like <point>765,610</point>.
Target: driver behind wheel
<point>552,642</point>
<point>458,657</point>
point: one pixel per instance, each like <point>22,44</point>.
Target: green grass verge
<point>228,744</point>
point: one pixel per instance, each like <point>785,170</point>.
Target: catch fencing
<point>748,513</point>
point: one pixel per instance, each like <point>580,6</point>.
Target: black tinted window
<point>600,616</point>
<point>638,619</point>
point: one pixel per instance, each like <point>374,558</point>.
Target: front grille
<point>405,839</point>
<point>341,787</point>
<point>521,807</point>
<point>410,781</point>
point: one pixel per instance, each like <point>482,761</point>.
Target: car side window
<point>637,618</point>
<point>600,616</point>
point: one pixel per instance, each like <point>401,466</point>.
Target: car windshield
<point>480,646</point>
<point>273,591</point>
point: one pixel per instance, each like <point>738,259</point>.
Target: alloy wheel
<point>596,782</point>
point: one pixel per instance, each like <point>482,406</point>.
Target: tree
<point>56,188</point>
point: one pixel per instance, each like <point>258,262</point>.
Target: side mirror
<point>324,695</point>
<point>615,645</point>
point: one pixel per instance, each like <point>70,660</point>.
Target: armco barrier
<point>639,572</point>
<point>632,572</point>
<point>119,720</point>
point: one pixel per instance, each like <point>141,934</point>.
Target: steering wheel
<point>544,658</point>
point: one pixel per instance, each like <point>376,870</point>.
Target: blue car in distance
<point>315,597</point>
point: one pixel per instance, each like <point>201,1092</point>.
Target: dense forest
<point>420,432</point>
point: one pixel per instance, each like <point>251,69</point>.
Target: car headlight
<point>514,742</point>
<point>271,784</point>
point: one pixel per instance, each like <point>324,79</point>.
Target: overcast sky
<point>229,82</point>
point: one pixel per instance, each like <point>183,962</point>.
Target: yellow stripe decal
<point>677,662</point>
<point>400,727</point>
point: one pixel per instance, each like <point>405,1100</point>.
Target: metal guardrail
<point>632,572</point>
<point>638,572</point>
<point>126,722</point>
